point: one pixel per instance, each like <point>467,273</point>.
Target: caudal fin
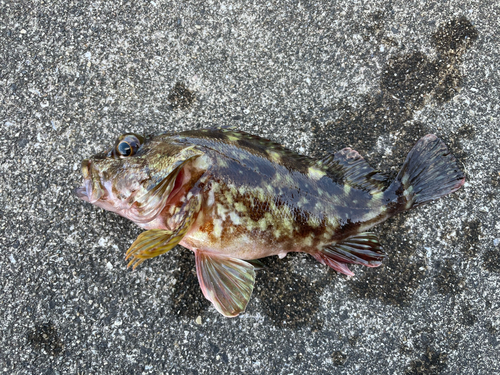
<point>429,172</point>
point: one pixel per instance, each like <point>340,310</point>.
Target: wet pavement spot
<point>491,260</point>
<point>430,363</point>
<point>455,36</point>
<point>45,337</point>
<point>381,126</point>
<point>289,299</point>
<point>468,318</point>
<point>180,97</point>
<point>446,280</point>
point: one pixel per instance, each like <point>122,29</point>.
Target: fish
<point>234,198</point>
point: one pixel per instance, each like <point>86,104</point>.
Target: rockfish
<point>232,198</point>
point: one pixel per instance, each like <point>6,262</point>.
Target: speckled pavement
<point>314,76</point>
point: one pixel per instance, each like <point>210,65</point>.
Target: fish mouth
<point>92,189</point>
<point>81,192</point>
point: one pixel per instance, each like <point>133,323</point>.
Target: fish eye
<point>127,145</point>
<point>125,148</point>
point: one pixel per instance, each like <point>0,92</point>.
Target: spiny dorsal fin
<point>258,146</point>
<point>349,165</point>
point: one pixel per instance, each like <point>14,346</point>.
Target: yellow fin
<point>155,242</point>
<point>149,244</point>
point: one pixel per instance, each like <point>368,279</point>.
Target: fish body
<point>258,201</point>
<point>233,198</point>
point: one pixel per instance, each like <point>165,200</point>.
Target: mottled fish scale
<point>266,169</point>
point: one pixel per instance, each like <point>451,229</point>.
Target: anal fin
<point>363,248</point>
<point>226,282</point>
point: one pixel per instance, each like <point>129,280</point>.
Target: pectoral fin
<point>155,242</point>
<point>226,282</point>
<point>158,241</point>
<point>152,243</point>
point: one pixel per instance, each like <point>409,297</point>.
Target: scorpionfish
<point>233,198</point>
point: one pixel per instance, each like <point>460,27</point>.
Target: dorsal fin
<point>227,127</point>
<point>256,145</point>
<point>350,166</point>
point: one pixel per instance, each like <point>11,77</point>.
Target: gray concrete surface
<point>315,76</point>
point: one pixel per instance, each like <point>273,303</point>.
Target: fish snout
<point>92,189</point>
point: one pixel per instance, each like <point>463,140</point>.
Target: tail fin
<point>429,172</point>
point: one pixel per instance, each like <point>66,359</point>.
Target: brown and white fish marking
<point>233,198</point>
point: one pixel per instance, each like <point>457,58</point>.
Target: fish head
<point>137,175</point>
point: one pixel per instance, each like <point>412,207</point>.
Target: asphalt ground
<point>314,76</point>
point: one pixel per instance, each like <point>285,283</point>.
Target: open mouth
<point>91,191</point>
